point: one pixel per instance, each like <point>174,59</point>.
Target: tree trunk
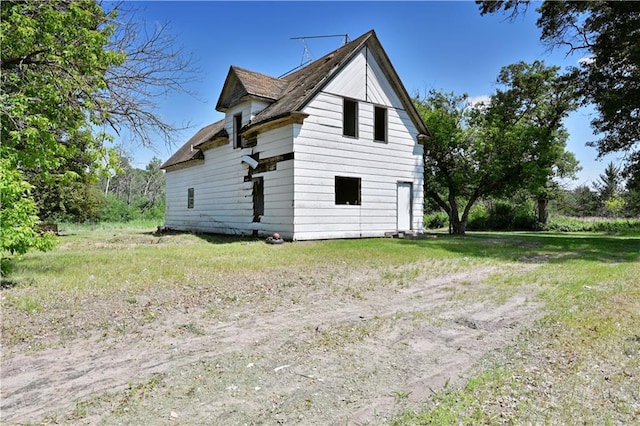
<point>543,211</point>
<point>458,227</point>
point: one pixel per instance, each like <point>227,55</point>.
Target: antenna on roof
<point>304,42</point>
<point>307,54</point>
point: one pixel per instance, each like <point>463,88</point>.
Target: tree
<point>606,33</point>
<point>18,218</point>
<point>69,67</point>
<point>609,188</point>
<point>580,201</point>
<point>609,183</point>
<point>513,143</point>
<point>132,193</point>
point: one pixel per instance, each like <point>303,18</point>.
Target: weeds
<point>578,364</point>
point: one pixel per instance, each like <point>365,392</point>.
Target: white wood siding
<point>299,195</point>
<point>223,201</point>
<point>278,184</point>
<point>322,153</point>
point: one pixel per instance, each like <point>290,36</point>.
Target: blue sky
<point>443,45</point>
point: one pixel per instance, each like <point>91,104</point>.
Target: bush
<point>593,224</point>
<point>478,218</point>
<point>117,210</point>
<point>503,216</point>
<point>436,220</point>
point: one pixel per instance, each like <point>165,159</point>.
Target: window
<point>380,124</point>
<point>237,124</point>
<point>190,198</point>
<point>350,118</point>
<point>347,191</point>
<point>258,199</point>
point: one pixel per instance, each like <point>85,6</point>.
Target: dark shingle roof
<point>292,92</point>
<point>189,151</point>
<point>303,84</point>
<point>241,82</point>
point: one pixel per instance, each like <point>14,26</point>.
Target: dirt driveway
<point>308,353</point>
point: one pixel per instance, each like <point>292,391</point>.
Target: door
<point>405,206</point>
<point>258,199</point>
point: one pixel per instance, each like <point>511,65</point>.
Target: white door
<point>404,206</point>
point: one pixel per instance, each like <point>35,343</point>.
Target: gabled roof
<point>241,83</point>
<point>305,83</point>
<point>291,93</point>
<point>189,151</point>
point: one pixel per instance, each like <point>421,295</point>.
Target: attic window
<point>350,118</point>
<point>347,191</point>
<point>380,124</point>
<point>237,124</point>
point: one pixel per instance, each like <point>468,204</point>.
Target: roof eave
<point>183,165</point>
<point>248,97</point>
<point>296,117</point>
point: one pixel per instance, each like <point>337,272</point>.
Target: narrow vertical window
<point>237,124</point>
<point>350,118</point>
<point>380,124</point>
<point>190,194</point>
<point>258,199</point>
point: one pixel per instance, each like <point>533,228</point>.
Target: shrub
<point>478,218</point>
<point>503,215</point>
<point>436,220</point>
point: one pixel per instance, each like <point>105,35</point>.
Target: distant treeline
<point>122,195</point>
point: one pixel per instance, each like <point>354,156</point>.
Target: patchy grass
<point>579,364</point>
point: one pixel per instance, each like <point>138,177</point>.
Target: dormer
<point>243,86</point>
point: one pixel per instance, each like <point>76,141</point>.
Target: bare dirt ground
<point>303,353</point>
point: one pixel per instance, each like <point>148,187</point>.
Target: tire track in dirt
<point>423,353</point>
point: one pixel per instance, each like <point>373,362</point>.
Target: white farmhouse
<point>332,150</point>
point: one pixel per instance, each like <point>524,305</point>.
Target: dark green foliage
<point>606,34</point>
<point>609,183</point>
<point>611,226</point>
<point>436,220</point>
<point>133,193</point>
<point>517,142</point>
<point>503,215</point>
<point>579,202</point>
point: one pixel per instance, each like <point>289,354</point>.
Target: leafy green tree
<point>566,167</point>
<point>18,218</point>
<point>580,201</point>
<point>516,142</point>
<point>609,183</point>
<point>53,62</point>
<point>614,206</point>
<point>132,193</point>
<point>609,187</point>
<point>606,33</point>
<point>69,191</point>
<point>69,67</point>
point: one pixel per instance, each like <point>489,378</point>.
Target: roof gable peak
<point>241,83</point>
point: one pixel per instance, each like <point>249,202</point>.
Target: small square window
<point>380,124</point>
<point>347,191</point>
<point>350,118</point>
<point>190,194</point>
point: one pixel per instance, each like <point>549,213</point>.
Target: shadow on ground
<point>537,248</point>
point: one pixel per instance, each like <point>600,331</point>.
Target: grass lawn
<point>579,363</point>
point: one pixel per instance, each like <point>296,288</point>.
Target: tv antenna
<point>306,54</point>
